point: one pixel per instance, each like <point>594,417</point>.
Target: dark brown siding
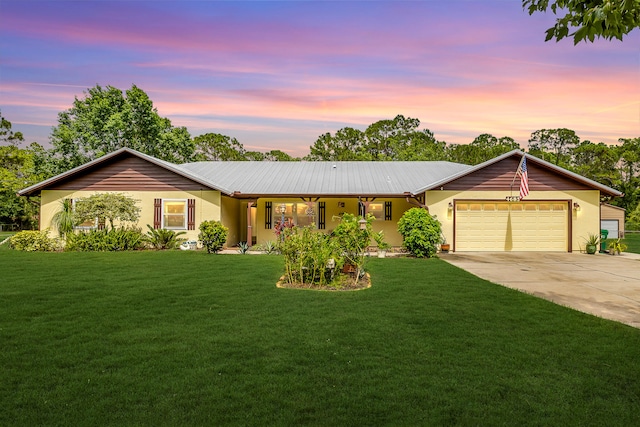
<point>499,176</point>
<point>128,174</point>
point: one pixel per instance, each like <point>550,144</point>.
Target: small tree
<point>307,254</point>
<point>63,220</point>
<point>212,235</point>
<point>421,233</point>
<point>107,207</point>
<point>353,240</point>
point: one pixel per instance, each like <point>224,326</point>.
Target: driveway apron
<point>603,285</point>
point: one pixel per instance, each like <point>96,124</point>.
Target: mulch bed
<point>346,283</point>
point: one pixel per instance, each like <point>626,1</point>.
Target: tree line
<point>107,119</point>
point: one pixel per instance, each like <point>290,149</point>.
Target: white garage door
<point>503,226</point>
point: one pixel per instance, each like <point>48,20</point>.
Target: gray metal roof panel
<point>322,178</point>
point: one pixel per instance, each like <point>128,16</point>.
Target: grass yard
<point>186,338</point>
<point>5,234</point>
<point>632,240</point>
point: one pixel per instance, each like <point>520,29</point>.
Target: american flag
<point>524,178</point>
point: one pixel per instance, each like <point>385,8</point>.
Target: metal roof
<point>367,179</point>
<point>323,178</point>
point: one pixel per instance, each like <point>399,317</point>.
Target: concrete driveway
<point>603,285</point>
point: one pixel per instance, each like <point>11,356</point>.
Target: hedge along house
<point>251,198</point>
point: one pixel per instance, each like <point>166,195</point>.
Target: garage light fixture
<point>450,206</point>
<point>576,206</point>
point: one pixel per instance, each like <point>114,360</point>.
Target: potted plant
<point>591,245</point>
<point>383,246</point>
<point>444,246</point>
<point>616,247</point>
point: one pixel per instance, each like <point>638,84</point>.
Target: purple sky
<point>276,75</point>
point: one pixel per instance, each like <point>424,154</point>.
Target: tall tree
<point>418,145</point>
<point>484,147</point>
<point>214,146</point>
<point>553,145</point>
<point>384,136</point>
<point>597,162</point>
<point>106,120</point>
<point>590,19</point>
<point>7,135</point>
<point>347,144</point>
<point>630,173</point>
<point>277,156</point>
<point>17,171</point>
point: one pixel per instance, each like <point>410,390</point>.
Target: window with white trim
<point>174,214</point>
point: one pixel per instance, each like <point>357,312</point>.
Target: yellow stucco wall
<point>211,205</point>
<point>333,209</point>
<point>232,218</point>
<point>584,221</point>
<point>208,205</point>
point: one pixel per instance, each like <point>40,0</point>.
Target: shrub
<point>352,240</point>
<point>33,241</point>
<point>270,247</point>
<point>307,254</point>
<point>163,238</point>
<point>421,233</point>
<point>243,248</point>
<point>212,235</point>
<point>119,239</point>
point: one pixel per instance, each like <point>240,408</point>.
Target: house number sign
<point>512,198</point>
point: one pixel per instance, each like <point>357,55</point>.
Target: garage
<point>511,226</point>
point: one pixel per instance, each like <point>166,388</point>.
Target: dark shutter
<point>191,214</point>
<point>267,215</point>
<point>157,213</point>
<point>322,215</point>
<point>387,211</point>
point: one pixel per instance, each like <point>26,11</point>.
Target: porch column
<point>249,231</point>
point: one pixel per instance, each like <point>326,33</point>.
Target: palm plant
<point>163,238</point>
<point>64,220</point>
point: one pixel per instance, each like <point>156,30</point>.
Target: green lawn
<point>5,234</point>
<point>632,240</point>
<point>186,338</point>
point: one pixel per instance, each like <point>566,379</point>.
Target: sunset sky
<point>276,75</point>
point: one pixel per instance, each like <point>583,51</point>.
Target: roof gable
<point>122,170</point>
<point>499,173</point>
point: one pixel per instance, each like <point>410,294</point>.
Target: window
<point>381,211</point>
<point>174,214</point>
<point>299,214</point>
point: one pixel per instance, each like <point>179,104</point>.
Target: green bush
<point>352,240</point>
<point>307,254</point>
<point>421,233</point>
<point>163,238</point>
<point>32,241</point>
<point>119,239</point>
<point>212,235</point>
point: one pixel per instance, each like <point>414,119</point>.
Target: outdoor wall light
<point>576,206</point>
<point>450,206</point>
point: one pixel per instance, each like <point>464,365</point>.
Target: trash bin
<point>603,240</point>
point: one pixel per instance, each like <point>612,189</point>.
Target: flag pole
<point>516,174</point>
